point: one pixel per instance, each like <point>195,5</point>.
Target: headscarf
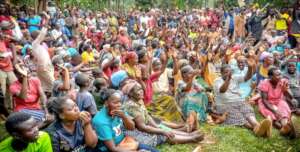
<point>264,55</point>
<point>129,86</point>
<point>24,49</point>
<point>118,77</point>
<point>130,55</point>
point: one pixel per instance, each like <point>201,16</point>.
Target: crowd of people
<point>80,80</point>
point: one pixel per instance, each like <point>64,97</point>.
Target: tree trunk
<point>41,5</point>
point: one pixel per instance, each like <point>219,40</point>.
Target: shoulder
<point>44,135</point>
<point>6,144</point>
<point>101,117</point>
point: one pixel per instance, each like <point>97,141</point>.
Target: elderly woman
<point>229,99</point>
<point>148,131</point>
<point>131,65</point>
<point>191,98</point>
<point>164,106</point>
<point>262,71</point>
<point>241,70</point>
<point>272,104</point>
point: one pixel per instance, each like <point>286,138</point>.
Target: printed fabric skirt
<point>164,107</point>
<point>196,102</point>
<point>152,140</point>
<point>237,112</point>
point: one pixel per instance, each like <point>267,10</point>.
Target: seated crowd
<point>77,80</point>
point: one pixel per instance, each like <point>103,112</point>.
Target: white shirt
<point>39,52</point>
<point>232,93</point>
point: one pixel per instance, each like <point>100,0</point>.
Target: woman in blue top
<point>33,22</point>
<point>110,122</point>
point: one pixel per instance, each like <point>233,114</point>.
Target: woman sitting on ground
<point>72,130</point>
<point>192,100</point>
<point>272,104</point>
<point>110,122</point>
<point>148,131</point>
<point>229,100</point>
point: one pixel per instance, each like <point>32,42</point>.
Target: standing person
<point>25,135</point>
<point>72,130</point>
<point>7,76</point>
<point>255,26</point>
<point>45,69</point>
<point>240,28</point>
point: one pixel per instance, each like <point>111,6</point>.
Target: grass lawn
<point>236,139</point>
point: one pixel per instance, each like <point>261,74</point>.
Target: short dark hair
<point>271,70</point>
<point>105,94</point>
<point>14,120</point>
<point>80,79</point>
<point>224,66</point>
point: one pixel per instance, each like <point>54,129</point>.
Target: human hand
<point>285,86</point>
<point>251,63</point>
<point>169,135</point>
<point>118,113</point>
<point>85,117</point>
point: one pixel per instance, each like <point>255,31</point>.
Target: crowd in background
<point>80,80</point>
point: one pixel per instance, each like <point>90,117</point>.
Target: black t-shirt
<point>64,141</point>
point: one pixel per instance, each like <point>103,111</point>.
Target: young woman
<point>110,122</point>
<point>72,130</point>
<point>148,131</point>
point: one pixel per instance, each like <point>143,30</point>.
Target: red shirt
<point>5,62</point>
<point>33,95</point>
<point>148,93</point>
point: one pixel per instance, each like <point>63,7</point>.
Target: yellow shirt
<point>87,57</point>
<point>281,24</point>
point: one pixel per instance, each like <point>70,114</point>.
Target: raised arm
<point>251,67</point>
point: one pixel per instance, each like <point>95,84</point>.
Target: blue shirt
<point>107,128</point>
<point>86,102</point>
<point>35,21</point>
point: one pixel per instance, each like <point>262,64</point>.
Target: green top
<point>42,144</point>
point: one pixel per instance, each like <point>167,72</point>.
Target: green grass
<point>237,139</point>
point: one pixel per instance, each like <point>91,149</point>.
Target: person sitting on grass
<point>24,135</point>
<point>294,84</point>
<point>147,130</point>
<point>110,122</point>
<point>230,100</point>
<point>72,130</point>
<point>272,104</point>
